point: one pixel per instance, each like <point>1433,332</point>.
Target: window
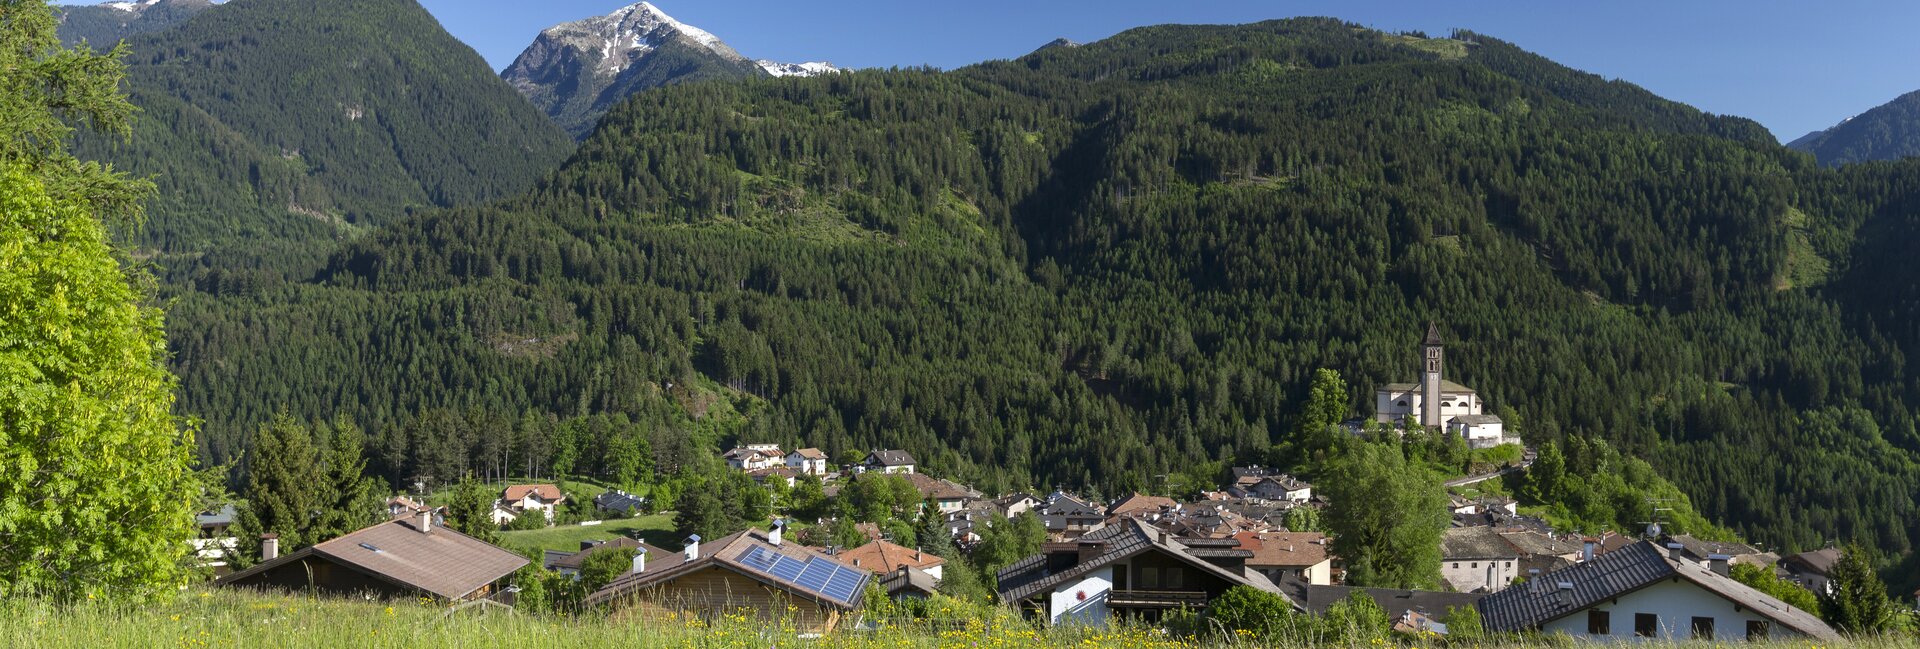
<point>1646,625</point>
<point>1149,577</point>
<point>1599,623</point>
<point>1756,629</point>
<point>1456,564</point>
<point>1476,564</point>
<point>1702,628</point>
<point>1403,403</point>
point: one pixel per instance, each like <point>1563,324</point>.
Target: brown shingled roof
<point>1283,549</point>
<point>442,562</point>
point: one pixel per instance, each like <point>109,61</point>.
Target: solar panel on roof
<point>829,579</point>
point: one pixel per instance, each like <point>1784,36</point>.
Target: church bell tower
<point>1434,354</point>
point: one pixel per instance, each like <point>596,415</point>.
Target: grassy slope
<point>232,618</point>
<point>656,529</point>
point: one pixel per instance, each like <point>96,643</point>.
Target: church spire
<point>1433,333</point>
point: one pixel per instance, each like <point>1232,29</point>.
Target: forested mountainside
<point>275,127</point>
<point>1097,264</point>
<point>576,71</point>
<point>1890,131</point>
<point>103,25</point>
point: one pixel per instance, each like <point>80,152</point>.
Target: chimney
<point>269,547</point>
<point>1566,593</point>
<point>693,547</point>
<point>1676,552</point>
<point>775,531</point>
<point>423,521</point>
<point>1588,549</point>
<point>1089,550</point>
<point>1718,562</point>
<point>640,560</point>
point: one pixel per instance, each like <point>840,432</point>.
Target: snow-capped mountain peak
<point>130,6</point>
<point>618,39</point>
<point>808,69</point>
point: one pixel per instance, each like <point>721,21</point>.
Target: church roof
<point>1433,333</point>
<point>1446,387</point>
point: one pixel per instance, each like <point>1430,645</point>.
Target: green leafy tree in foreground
<point>1263,614</point>
<point>99,492</point>
<point>1386,518</point>
<point>1765,581</point>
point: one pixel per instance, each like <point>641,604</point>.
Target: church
<point>1437,402</point>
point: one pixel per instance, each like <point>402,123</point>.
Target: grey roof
<point>442,561</point>
<point>890,458</point>
<point>1819,562</point>
<point>1475,420</point>
<point>1317,599</point>
<point>217,518</point>
<point>1539,601</point>
<point>573,560</point>
<point>1130,537</point>
<point>1446,387</point>
<point>618,501</point>
<point>1433,333</point>
<point>1475,543</point>
<point>1701,549</point>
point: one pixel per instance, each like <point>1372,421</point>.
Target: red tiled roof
<point>545,492</point>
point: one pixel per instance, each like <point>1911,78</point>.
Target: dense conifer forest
<point>1093,265</point>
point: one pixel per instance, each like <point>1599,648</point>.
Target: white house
<point>891,461</point>
<point>808,461</point>
<point>754,457</point>
<point>1477,559</point>
<point>522,498</point>
<point>1480,431</point>
<point>1642,593</point>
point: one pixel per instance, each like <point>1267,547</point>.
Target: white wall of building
<point>1387,408</point>
<point>1677,603</point>
<point>1468,575</point>
<point>1083,601</point>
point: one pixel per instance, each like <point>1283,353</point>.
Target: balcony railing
<point>1156,598</point>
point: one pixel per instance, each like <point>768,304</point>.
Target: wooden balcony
<point>1156,599</point>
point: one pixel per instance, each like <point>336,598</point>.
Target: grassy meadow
<point>218,618</point>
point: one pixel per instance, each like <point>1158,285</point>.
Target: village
<point>1138,557</point>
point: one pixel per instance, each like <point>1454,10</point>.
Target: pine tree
<point>1859,603</point>
<point>470,512</point>
<point>286,488</point>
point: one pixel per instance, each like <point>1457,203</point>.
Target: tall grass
<point>222,618</point>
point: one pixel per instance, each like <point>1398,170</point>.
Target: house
<point>1300,556</point>
<point>1478,559</point>
<point>770,475</point>
<point>522,498</point>
<point>1281,487</point>
<point>965,523</point>
<point>619,502</point>
<point>1480,431</point>
<point>1641,592</point>
<point>887,462</point>
<point>214,545</point>
<point>1128,569</point>
<point>808,461</point>
<point>909,583</point>
<point>403,558</point>
<point>754,457</point>
<point>1812,569</point>
<point>1139,505</point>
<point>568,563</point>
<point>1702,551</point>
<point>1015,504</point>
<point>884,557</point>
<point>1399,604</point>
<point>947,495</point>
<point>1433,401</point>
<point>1067,517</point>
<point>747,571</point>
<point>501,514</point>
